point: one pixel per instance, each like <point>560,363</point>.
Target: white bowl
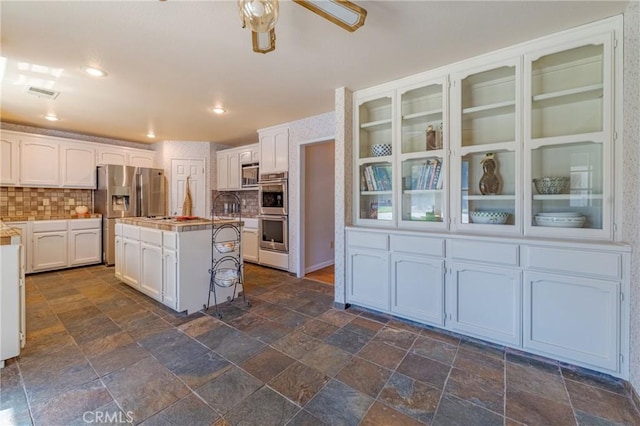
<point>559,214</point>
<point>225,247</point>
<point>560,221</point>
<point>380,149</point>
<point>82,209</point>
<point>552,184</point>
<point>487,217</point>
<point>226,277</point>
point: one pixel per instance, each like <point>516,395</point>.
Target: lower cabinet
<point>119,258</point>
<point>151,270</point>
<point>485,302</point>
<point>573,318</point>
<point>250,244</point>
<point>566,301</point>
<point>84,247</point>
<point>417,288</point>
<point>131,262</point>
<point>368,278</point>
<point>49,250</point>
<point>170,278</point>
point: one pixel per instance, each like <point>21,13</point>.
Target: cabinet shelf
<point>573,197</point>
<point>569,96</point>
<point>375,160</point>
<point>376,125</point>
<point>376,192</point>
<point>488,197</point>
<point>489,110</point>
<point>422,191</point>
<point>436,113</point>
<point>490,147</point>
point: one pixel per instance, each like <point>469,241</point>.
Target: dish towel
<point>187,206</point>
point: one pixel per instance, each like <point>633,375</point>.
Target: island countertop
<point>177,225</point>
<point>9,235</point>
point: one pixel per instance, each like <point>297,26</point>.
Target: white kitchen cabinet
<point>572,318</point>
<point>250,242</point>
<point>142,158</point>
<point>78,165</point>
<point>85,241</point>
<point>39,162</point>
<point>274,149</point>
<point>12,302</point>
<point>119,250</point>
<point>485,302</point>
<point>9,159</point>
<point>49,250</point>
<point>112,155</point>
<point>151,270</point>
<point>25,240</point>
<point>131,262</point>
<point>170,278</point>
<point>417,288</point>
<point>228,170</point>
<point>368,278</point>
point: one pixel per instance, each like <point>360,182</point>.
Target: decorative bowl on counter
<point>226,277</point>
<point>380,149</point>
<point>552,185</point>
<point>557,220</point>
<point>81,210</point>
<point>225,247</point>
<point>488,217</point>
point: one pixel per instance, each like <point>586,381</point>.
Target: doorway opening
<point>317,215</point>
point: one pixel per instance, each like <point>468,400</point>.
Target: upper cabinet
<point>274,149</point>
<point>569,138</point>
<point>230,163</point>
<point>33,160</point>
<point>516,142</point>
<point>39,162</point>
<point>486,145</point>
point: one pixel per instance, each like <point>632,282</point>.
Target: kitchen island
<point>169,259</point>
<point>12,295</point>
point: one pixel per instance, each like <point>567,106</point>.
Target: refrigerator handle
<point>139,194</point>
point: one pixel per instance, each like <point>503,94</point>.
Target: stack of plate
<point>560,219</point>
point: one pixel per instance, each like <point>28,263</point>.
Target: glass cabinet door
<point>423,165</point>
<point>374,150</point>
<point>486,148</point>
<point>568,140</point>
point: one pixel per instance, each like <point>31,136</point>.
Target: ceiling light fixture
<point>95,72</point>
<point>51,117</point>
<point>218,110</point>
<point>261,17</point>
<point>151,135</point>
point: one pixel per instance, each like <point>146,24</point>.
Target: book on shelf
<point>377,177</point>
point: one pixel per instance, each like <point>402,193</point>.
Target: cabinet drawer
<point>417,245</point>
<point>170,240</point>
<point>78,224</point>
<point>592,263</point>
<point>368,240</point>
<point>478,251</point>
<point>151,236</point>
<point>130,231</point>
<point>49,225</point>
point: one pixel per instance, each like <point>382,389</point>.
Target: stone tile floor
<point>99,352</point>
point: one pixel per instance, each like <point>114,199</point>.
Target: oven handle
<point>273,216</point>
<point>271,182</point>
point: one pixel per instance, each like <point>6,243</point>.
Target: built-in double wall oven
<point>273,218</point>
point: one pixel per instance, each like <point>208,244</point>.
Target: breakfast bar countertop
<point>175,224</point>
<point>8,235</point>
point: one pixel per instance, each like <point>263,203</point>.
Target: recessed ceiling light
<point>218,110</point>
<point>95,72</point>
<point>151,135</point>
<point>51,117</point>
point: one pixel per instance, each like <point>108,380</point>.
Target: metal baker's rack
<point>226,251</point>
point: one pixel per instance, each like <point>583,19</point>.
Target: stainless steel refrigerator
<point>125,191</point>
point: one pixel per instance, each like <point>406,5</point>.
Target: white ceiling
<point>169,62</point>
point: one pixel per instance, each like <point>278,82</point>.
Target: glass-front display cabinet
<point>568,140</point>
<point>374,160</point>
<point>486,141</point>
<point>423,164</point>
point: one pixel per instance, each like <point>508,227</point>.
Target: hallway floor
<point>325,275</point>
<point>99,350</point>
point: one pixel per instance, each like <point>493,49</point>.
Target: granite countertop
<point>175,225</point>
<point>8,235</point>
<point>31,218</point>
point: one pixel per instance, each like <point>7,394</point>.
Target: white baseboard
<point>319,266</point>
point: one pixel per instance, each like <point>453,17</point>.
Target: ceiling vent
<point>42,93</point>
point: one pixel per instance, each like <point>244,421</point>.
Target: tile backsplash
<point>43,202</point>
<point>248,200</point>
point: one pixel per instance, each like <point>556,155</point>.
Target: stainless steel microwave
<point>250,175</point>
